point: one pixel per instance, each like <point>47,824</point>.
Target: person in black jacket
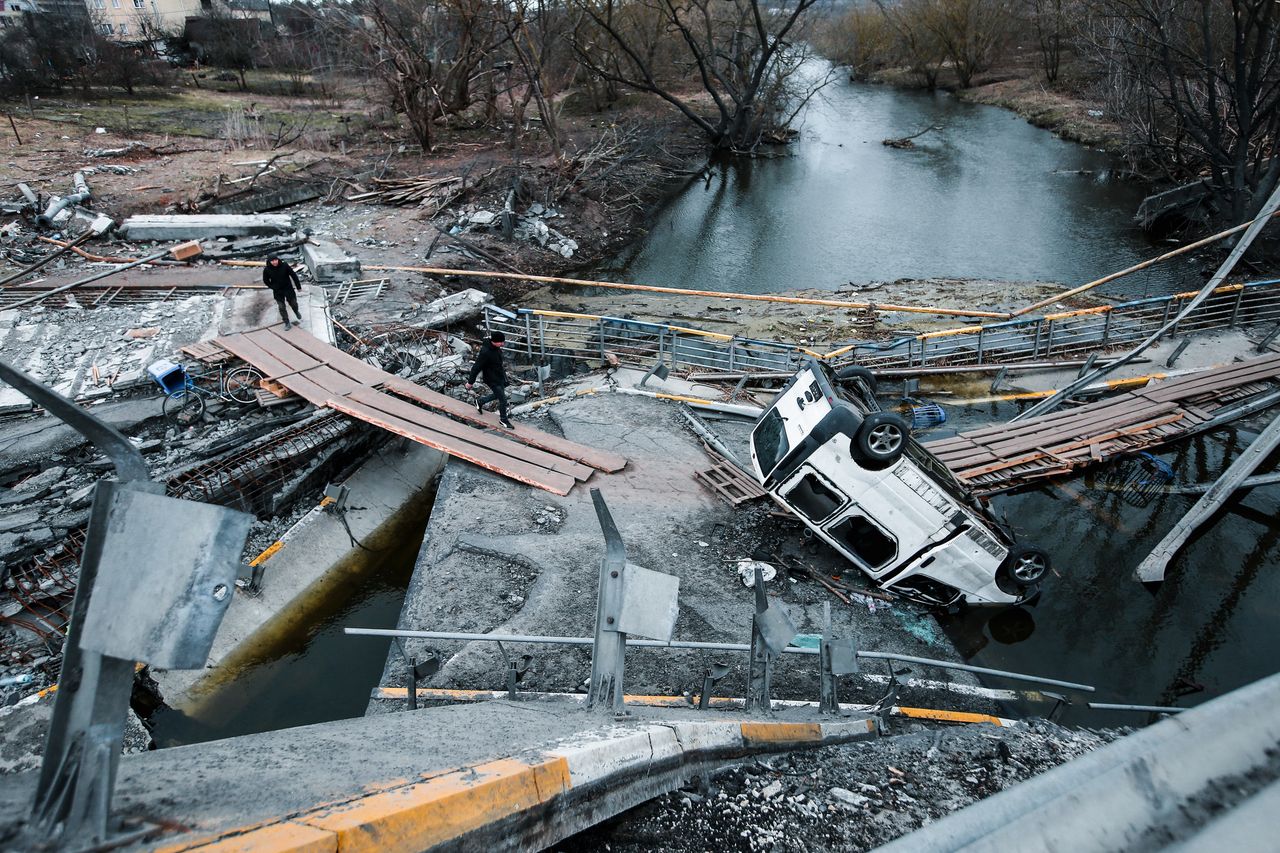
<point>283,281</point>
<point>489,365</point>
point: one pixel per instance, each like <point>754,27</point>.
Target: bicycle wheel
<point>242,384</point>
<point>184,407</point>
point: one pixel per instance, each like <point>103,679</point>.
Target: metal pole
<point>760,675</point>
<point>82,748</point>
<point>711,647</point>
<point>610,645</point>
<point>64,288</point>
<point>1153,566</point>
<point>1155,709</point>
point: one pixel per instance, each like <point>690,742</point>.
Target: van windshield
<point>770,439</point>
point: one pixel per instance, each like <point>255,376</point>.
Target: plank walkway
<point>1009,455</point>
<point>329,378</point>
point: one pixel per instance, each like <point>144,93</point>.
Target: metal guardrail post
<point>1235,309</point>
<point>1048,338</point>
<point>187,575</point>
<point>542,337</point>
<point>771,632</point>
<point>609,651</point>
<point>835,658</point>
<point>1106,328</point>
<point>600,332</point>
<point>982,332</point>
<point>528,337</point>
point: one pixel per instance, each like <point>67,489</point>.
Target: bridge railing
<point>541,336</point>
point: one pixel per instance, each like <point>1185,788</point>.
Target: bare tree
<point>738,52</point>
<point>1049,17</point>
<point>1198,82</point>
<point>917,42</point>
<point>969,31</point>
<point>532,28</point>
<point>428,56</point>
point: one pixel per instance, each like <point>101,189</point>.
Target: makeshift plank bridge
<point>330,378</point>
<point>1008,455</point>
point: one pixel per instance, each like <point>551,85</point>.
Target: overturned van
<point>857,478</point>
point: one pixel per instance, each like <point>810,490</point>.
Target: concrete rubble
<point>206,226</point>
<point>846,798</point>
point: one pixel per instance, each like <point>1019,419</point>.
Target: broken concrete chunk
<point>849,798</point>
<point>206,226</point>
<point>329,262</point>
<point>45,480</point>
<point>12,522</point>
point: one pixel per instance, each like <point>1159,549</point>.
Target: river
<point>983,195</point>
<point>987,195</point>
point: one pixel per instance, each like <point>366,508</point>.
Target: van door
<point>794,413</point>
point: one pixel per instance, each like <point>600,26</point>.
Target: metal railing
<point>340,293</point>
<point>637,608</point>
<point>541,336</point>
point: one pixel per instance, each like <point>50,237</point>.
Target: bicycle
<point>185,405</point>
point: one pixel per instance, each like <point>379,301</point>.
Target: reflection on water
<point>985,195</point>
<point>1209,624</point>
<point>316,673</point>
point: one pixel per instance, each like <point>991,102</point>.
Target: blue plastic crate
<point>168,375</point>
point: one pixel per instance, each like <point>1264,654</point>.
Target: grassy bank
<point>1063,108</point>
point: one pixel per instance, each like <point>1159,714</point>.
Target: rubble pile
<point>90,353</point>
<point>842,798</point>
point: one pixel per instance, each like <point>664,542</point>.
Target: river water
<point>987,195</point>
<point>984,195</point>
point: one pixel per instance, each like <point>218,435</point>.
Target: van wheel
<point>847,374</point>
<point>1026,565</point>
<point>882,437</point>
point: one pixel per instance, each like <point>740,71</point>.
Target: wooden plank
<point>439,423</point>
<point>345,363</point>
<point>524,472</point>
<point>270,365</point>
<point>1219,379</point>
<point>601,460</point>
<point>1075,423</point>
<point>1008,463</point>
<point>1073,432</point>
<point>367,374</point>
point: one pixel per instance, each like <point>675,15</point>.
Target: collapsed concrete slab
<point>205,226</point>
<point>329,262</point>
<point>454,308</point>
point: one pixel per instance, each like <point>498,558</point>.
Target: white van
<point>857,478</point>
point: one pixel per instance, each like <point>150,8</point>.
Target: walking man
<point>489,365</point>
<point>278,276</point>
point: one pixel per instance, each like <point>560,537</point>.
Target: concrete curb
<point>720,703</point>
<point>530,800</point>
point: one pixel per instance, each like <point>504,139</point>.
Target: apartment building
<point>135,20</point>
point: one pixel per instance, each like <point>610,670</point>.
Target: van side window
<point>814,498</point>
<point>865,541</point>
